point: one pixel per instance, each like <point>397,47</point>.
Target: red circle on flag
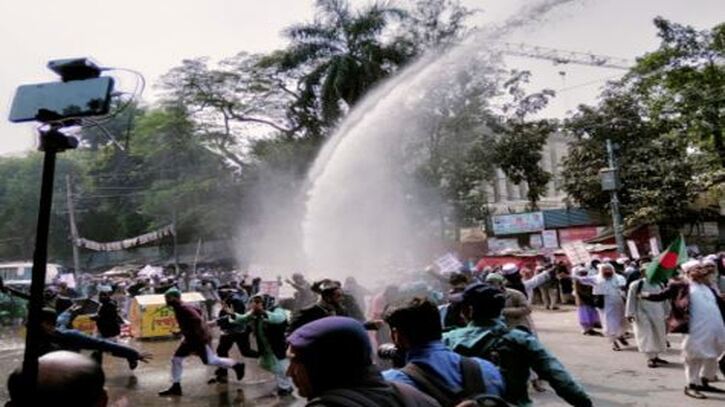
<point>669,260</point>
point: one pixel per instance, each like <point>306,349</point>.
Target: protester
<point>585,304</point>
<point>107,319</point>
<point>356,291</point>
<point>516,352</point>
<point>269,323</point>
<point>430,366</point>
<point>234,301</point>
<point>549,291</point>
<point>52,339</point>
<point>64,379</point>
<point>516,311</point>
<point>648,319</point>
<point>197,341</point>
<point>331,366</point>
<point>698,312</point>
<point>333,302</point>
<point>304,296</point>
<point>608,286</point>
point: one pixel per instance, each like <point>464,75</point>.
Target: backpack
<point>474,387</point>
<point>404,394</point>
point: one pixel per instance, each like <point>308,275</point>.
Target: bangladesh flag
<point>663,267</point>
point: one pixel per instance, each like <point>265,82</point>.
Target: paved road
<point>614,379</point>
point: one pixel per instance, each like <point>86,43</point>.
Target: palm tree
<point>342,53</point>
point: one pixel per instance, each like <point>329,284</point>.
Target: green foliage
<point>342,53</point>
<point>666,118</point>
<point>685,79</point>
<point>518,150</point>
<point>655,167</point>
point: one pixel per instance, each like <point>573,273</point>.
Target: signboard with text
<point>550,239</point>
<point>516,223</point>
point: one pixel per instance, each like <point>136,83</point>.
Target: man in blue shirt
<point>416,331</point>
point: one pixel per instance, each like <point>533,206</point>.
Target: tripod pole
<point>51,142</point>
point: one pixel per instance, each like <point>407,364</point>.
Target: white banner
<point>126,243</point>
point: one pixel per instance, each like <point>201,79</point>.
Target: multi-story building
<point>506,197</point>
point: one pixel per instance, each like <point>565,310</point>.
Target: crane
<point>564,57</point>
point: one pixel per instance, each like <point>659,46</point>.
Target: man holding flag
<point>698,312</point>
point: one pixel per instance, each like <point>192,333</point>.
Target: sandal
<point>651,363</point>
<point>691,391</point>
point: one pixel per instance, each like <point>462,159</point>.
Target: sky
<point>153,36</point>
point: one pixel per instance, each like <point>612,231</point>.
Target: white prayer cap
<point>578,269</point>
<point>603,266</point>
<point>689,265</point>
<point>509,268</point>
<point>709,262</point>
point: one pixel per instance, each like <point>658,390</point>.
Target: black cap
<point>487,300</point>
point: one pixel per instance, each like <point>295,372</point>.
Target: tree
<point>447,145</point>
<point>230,105</point>
<point>343,54</point>
<point>685,79</point>
<point>656,170</point>
<point>518,150</point>
<point>434,23</point>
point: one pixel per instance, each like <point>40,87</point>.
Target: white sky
<point>152,36</point>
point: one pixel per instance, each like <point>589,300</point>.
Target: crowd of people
<point>464,338</point>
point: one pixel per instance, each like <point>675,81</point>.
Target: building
<point>506,197</point>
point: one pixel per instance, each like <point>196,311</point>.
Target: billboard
<point>516,223</point>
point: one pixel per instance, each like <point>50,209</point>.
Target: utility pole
<point>73,228</point>
<point>610,182</point>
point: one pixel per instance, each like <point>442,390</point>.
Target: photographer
<point>432,367</point>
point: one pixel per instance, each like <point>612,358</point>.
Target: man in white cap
<point>609,284</point>
<point>648,320</point>
<point>698,312</point>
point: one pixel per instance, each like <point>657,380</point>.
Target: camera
<point>388,351</point>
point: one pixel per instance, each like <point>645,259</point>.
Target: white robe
<point>650,330</point>
<point>612,316</point>
<point>706,338</point>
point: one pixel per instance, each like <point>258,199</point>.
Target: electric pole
<point>73,228</point>
<point>610,182</point>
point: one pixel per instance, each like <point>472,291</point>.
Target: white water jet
<point>360,219</point>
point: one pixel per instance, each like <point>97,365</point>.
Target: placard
<point>535,241</point>
<point>633,250</point>
<point>577,253</point>
<point>550,238</point>
<point>270,288</point>
<point>654,246</point>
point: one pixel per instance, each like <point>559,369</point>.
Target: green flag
<point>663,267</point>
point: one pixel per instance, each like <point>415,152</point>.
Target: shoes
<point>239,370</point>
<point>707,388</point>
<point>284,392</point>
<point>692,391</point>
<point>132,363</point>
<point>661,361</point>
<point>554,308</point>
<point>623,341</point>
<point>615,347</point>
<point>174,390</point>
<point>652,363</point>
<point>536,384</point>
